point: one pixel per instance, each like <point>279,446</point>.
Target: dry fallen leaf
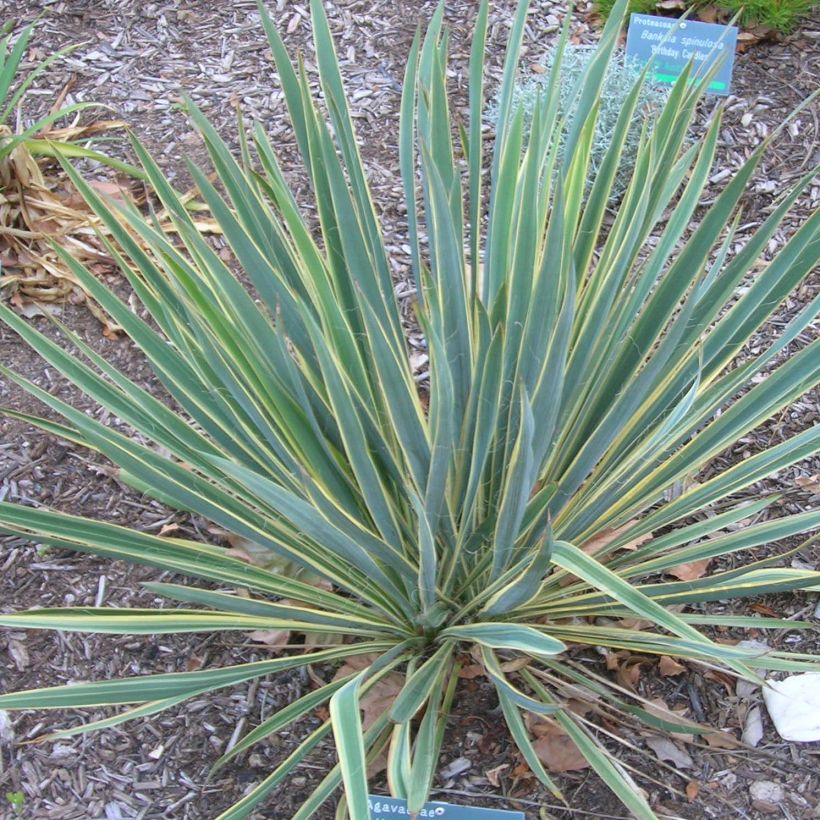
<point>669,667</point>
<point>602,540</point>
<point>18,653</point>
<point>745,39</point>
<point>554,747</point>
<point>112,190</point>
<point>380,696</point>
<point>559,753</point>
<point>166,529</point>
<point>276,639</point>
<point>670,752</point>
<point>607,536</point>
<point>516,664</point>
<point>692,789</point>
<point>721,740</point>
<point>727,681</point>
<point>493,775</point>
<point>472,670</point>
<point>810,483</point>
<point>753,727</point>
<point>615,659</point>
<point>690,571</point>
<point>629,672</point>
<point>194,662</point>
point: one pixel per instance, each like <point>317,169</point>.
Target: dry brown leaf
<point>76,132</point>
<point>607,536</point>
<point>379,697</point>
<point>603,539</point>
<point>669,752</point>
<point>559,753</point>
<point>727,681</point>
<point>810,483</point>
<point>194,662</point>
<point>745,39</point>
<point>46,225</point>
<point>111,190</point>
<point>18,653</point>
<point>579,707</point>
<point>472,670</point>
<point>615,659</point>
<point>669,667</point>
<point>692,789</point>
<point>516,664</point>
<point>721,740</point>
<point>629,672</point>
<point>538,725</point>
<point>276,639</point>
<point>39,205</point>
<point>168,528</point>
<point>493,775</point>
<point>707,14</point>
<point>555,749</point>
<point>522,772</point>
<point>691,570</point>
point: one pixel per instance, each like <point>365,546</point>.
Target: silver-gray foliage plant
<point>622,74</point>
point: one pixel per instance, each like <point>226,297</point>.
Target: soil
<point>138,57</point>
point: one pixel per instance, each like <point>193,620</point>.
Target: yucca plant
<point>579,370</point>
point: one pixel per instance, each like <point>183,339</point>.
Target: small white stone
<point>794,706</point>
<point>6,729</point>
<point>767,796</point>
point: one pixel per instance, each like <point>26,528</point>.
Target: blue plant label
<point>673,43</point>
<point>388,808</point>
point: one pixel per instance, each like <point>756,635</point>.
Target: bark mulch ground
<point>138,58</point>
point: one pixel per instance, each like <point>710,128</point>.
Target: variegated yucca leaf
<point>581,367</point>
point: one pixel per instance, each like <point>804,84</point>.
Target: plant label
<point>671,44</point>
<point>387,808</point>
